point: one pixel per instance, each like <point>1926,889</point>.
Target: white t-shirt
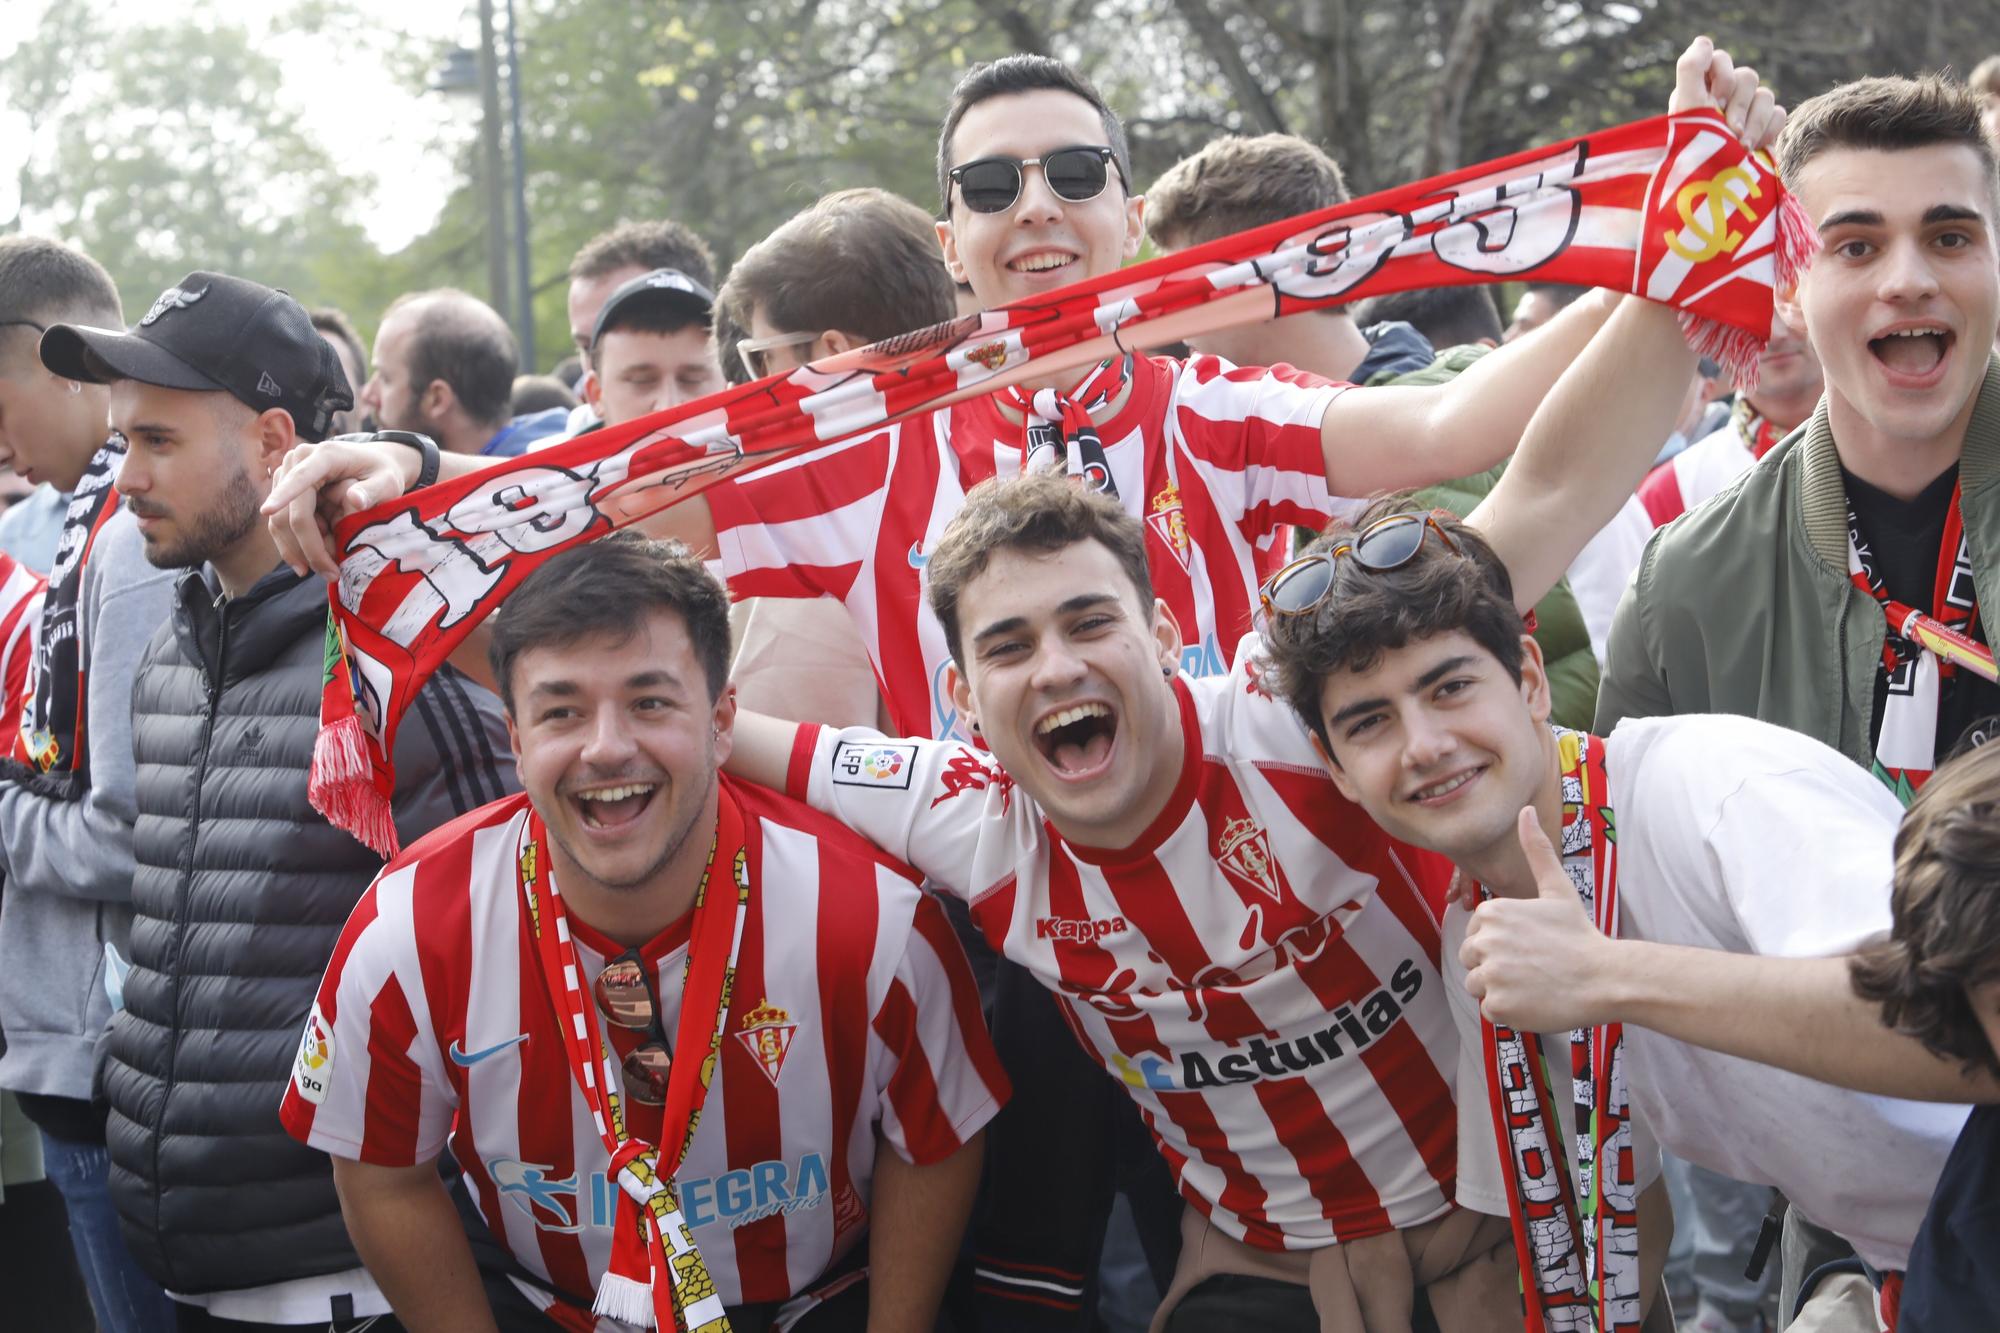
<point>1738,835</point>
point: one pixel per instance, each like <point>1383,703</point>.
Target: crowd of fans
<point>905,889</point>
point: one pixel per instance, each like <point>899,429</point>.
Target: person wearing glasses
<point>1398,645</point>
<point>640,972</point>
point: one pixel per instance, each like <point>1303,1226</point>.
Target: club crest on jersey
<point>1168,519</point>
<point>767,1034</point>
<point>873,765</point>
<point>1244,853</point>
<point>315,1061</point>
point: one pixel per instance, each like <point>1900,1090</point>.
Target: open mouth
<point>1914,353</point>
<point>613,807</point>
<point>1042,261</point>
<point>1441,791</point>
<point>1076,740</point>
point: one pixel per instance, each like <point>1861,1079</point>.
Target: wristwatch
<point>427,451</point>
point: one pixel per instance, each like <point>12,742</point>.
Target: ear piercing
<point>1167,671</point>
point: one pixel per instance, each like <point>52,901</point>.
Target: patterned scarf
<point>1059,436</point>
<point>656,1278</point>
<point>50,756</point>
<point>1753,427</point>
<point>1921,651</point>
<point>1591,1284</point>
<point>1674,209</point>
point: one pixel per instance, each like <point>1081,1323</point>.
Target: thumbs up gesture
<point>1538,964</point>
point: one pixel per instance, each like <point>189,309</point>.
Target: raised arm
<point>762,749</point>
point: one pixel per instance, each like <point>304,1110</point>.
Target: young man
<point>1788,387</point>
<point>1236,183</point>
<point>649,349</point>
<point>1773,601</point>
<point>1431,708</point>
<point>724,949</point>
<point>239,886</point>
<point>444,367</point>
<point>613,258</point>
<point>66,809</point>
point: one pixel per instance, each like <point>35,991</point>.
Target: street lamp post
<point>467,71</point>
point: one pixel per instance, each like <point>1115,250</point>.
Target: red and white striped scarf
<point>1673,209</point>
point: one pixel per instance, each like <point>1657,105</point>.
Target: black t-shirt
<point>1904,537</point>
<point>1953,1282</point>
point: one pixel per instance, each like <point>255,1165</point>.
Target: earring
<point>1167,671</point>
<point>75,387</point>
<point>975,728</point>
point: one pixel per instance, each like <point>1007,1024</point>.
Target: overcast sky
<point>354,107</point>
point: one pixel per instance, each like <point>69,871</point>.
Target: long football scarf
<point>1673,209</point>
<point>49,754</point>
<point>1921,651</point>
<point>656,1278</point>
<point>1059,434</point>
<point>1577,1240</point>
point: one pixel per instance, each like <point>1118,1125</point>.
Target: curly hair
<point>1367,613</point>
<point>1945,935</point>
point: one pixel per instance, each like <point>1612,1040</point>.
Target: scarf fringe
<point>342,786</point>
<point>1737,350</point>
<point>624,1299</point>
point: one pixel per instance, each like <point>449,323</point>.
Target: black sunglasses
<point>1386,544</point>
<point>993,184</point>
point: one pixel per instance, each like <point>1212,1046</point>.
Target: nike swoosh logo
<point>918,556</point>
<point>459,1055</point>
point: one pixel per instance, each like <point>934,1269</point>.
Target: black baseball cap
<point>667,288</point>
<point>211,333</point>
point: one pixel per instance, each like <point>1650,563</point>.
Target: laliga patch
<point>315,1063</point>
<point>873,764</point>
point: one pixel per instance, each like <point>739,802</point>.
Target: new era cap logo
<point>267,386</point>
<point>173,298</point>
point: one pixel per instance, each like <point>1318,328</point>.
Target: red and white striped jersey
<point>1218,462</point>
<point>21,592</point>
<point>1259,969</point>
<point>853,1015</point>
<point>1691,476</point>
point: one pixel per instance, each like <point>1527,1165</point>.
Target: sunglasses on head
<point>1386,544</point>
<point>993,184</point>
<point>625,999</point>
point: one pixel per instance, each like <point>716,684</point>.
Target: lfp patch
<point>315,1063</point>
<point>874,764</point>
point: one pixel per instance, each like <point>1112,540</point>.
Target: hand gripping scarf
<point>1577,1240</point>
<point>656,1278</point>
<point>1673,209</point>
<point>1921,652</point>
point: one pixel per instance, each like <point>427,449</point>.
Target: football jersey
<point>1705,467</point>
<point>853,1015</point>
<point>1218,462</point>
<point>21,592</point>
<point>1259,969</point>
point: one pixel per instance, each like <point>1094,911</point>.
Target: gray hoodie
<point>68,864</point>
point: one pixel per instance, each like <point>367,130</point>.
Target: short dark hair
<point>604,589</point>
<point>862,261</point>
<point>1446,316</point>
<point>1887,113</point>
<point>458,338</point>
<point>1025,73</point>
<point>48,282</point>
<point>539,393</point>
<point>1368,613</point>
<point>645,245</point>
<point>1235,183</point>
<point>337,328</point>
<point>1039,511</point>
<point>1945,912</point>
<point>1561,294</point>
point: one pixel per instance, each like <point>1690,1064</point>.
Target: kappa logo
<point>173,298</point>
<point>767,1034</point>
<point>966,771</point>
<point>1077,929</point>
<point>1244,853</point>
<point>1167,518</point>
<point>315,1060</point>
<point>873,765</point>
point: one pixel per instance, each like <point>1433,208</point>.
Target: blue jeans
<point>126,1300</point>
